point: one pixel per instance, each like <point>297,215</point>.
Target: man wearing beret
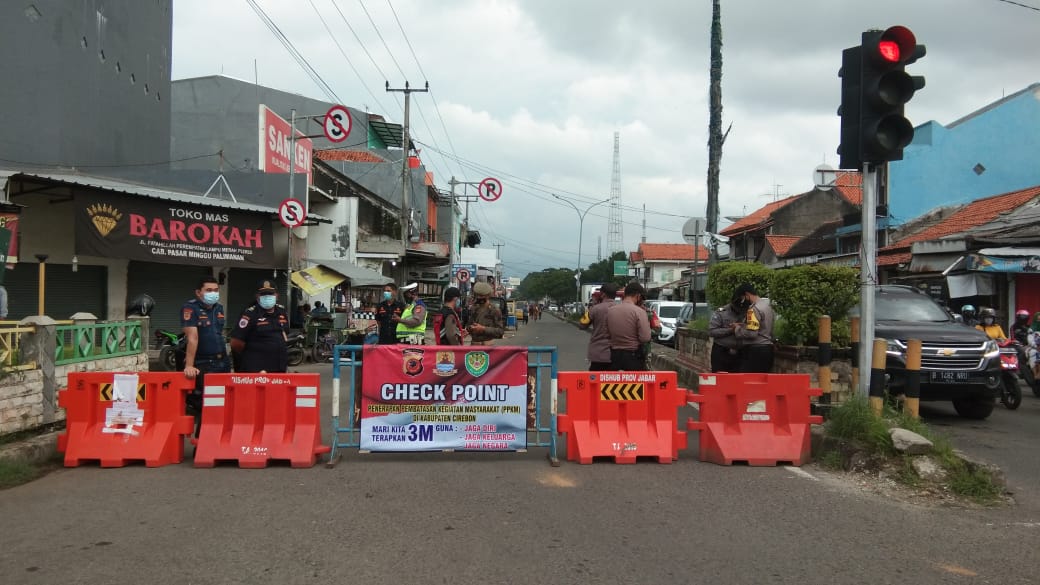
<point>485,319</point>
<point>259,338</point>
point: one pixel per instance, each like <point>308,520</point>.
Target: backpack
<point>439,330</point>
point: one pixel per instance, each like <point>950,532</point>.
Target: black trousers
<point>600,367</point>
<point>632,360</point>
<point>725,359</point>
<point>221,365</point>
<point>757,358</point>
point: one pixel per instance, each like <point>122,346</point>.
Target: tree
<point>603,271</point>
<point>552,283</point>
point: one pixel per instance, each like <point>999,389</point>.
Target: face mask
<point>210,298</point>
<point>266,301</point>
<point>387,295</point>
<point>988,320</point>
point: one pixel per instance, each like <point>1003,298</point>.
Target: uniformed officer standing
<point>485,319</point>
<point>202,320</point>
<point>411,325</point>
<point>259,339</point>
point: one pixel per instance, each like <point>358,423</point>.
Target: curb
<point>38,449</point>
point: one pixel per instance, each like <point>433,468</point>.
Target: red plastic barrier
<point>759,419</point>
<point>255,418</point>
<point>623,415</point>
<point>115,433</point>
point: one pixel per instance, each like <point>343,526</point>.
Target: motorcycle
<point>1010,391</point>
<point>172,346</point>
<point>297,347</point>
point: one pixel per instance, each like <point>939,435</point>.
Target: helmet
<point>988,312</point>
<point>141,305</point>
<point>968,309</point>
<point>1022,315</point>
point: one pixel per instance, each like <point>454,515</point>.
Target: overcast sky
<point>531,92</point>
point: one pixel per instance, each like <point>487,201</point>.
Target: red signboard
<point>276,149</point>
<point>10,221</point>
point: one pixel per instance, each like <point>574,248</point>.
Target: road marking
<point>801,473</point>
<point>957,570</point>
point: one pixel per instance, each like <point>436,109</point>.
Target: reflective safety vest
<point>403,330</point>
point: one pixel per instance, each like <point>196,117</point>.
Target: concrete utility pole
<point>406,173</point>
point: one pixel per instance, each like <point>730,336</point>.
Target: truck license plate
<point>947,377</point>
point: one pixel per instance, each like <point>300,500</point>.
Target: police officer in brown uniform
<point>485,320</point>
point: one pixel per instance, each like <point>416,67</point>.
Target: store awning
<point>357,275</point>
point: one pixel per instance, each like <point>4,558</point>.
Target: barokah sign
<point>136,228</point>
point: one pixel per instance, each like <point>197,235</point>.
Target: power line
<point>109,166</point>
<point>346,58</point>
<point>294,53</point>
<point>1019,4</point>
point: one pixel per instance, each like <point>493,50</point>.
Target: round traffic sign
<point>693,229</point>
<point>462,275</point>
<point>337,123</point>
<point>490,189</point>
<point>291,213</point>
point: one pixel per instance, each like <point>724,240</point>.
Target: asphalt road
<point>512,518</point>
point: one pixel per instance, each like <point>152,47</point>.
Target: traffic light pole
<point>867,276</point>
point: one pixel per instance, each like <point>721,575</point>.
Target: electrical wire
<point>111,166</point>
<point>347,58</point>
<point>1019,4</point>
<point>294,53</point>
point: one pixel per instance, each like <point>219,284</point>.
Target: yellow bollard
<point>877,376</point>
<point>824,358</point>
<point>913,377</point>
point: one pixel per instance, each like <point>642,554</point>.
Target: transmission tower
<point>615,239</point>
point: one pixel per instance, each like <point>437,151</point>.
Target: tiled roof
<point>971,215</point>
<point>850,186</point>
<point>893,258</point>
<point>820,241</point>
<point>676,252</point>
<point>781,244</point>
<point>363,156</point>
<point>757,217</point>
<point>635,257</point>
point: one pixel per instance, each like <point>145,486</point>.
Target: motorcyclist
<point>1020,329</point>
<point>989,324</point>
<point>968,313</point>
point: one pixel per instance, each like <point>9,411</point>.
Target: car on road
<point>958,363</point>
<point>667,312</point>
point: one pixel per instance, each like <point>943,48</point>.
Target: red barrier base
<point>758,446</point>
<point>621,416</point>
<point>254,419</point>
<point>93,432</point>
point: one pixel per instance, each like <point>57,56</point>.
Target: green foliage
<point>803,293</point>
<point>603,271</point>
<point>552,283</point>
<point>855,421</point>
<point>14,473</point>
<point>725,277</point>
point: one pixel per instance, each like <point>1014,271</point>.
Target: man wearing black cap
<point>259,339</point>
<point>756,331</point>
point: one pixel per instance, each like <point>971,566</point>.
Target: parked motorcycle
<point>297,347</point>
<point>1010,391</point>
<point>172,346</point>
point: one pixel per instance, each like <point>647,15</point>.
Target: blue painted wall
<point>938,167</point>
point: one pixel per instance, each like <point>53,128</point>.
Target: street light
<point>581,224</point>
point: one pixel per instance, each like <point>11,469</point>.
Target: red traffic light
<point>896,44</point>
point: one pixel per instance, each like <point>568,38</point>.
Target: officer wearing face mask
<point>411,324</point>
<point>259,339</point>
<point>202,320</point>
<point>386,311</point>
<point>485,319</point>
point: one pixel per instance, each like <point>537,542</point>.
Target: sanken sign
<point>276,148</point>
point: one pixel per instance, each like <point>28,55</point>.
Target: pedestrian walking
<point>258,341</point>
<point>629,330</point>
<point>386,311</point>
<point>599,342</point>
<point>725,345</point>
<point>202,321</point>
<point>411,324</point>
<point>756,331</point>
<point>485,319</point>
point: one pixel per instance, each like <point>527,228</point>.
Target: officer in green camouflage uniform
<point>485,320</point>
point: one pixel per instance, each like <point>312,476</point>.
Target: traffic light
<point>848,149</point>
<point>885,87</point>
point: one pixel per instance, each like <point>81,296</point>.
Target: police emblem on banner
<point>412,359</point>
<point>445,364</point>
<point>477,363</point>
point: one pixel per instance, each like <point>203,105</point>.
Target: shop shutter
<point>67,292</point>
<point>170,285</point>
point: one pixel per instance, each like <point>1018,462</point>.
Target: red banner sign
<point>276,149</point>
